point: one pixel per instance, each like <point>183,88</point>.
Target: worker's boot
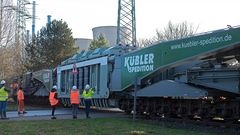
<point>87,115</point>
<point>4,115</point>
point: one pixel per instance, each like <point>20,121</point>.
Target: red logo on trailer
<point>74,70</point>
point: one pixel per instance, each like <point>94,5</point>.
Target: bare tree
<point>8,50</point>
<point>7,23</point>
<point>144,42</point>
<point>170,32</point>
<point>175,31</point>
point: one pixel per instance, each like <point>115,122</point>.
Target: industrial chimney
<point>49,19</point>
<point>33,18</point>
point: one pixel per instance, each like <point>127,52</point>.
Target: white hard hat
<point>54,86</point>
<point>3,82</point>
<point>87,86</point>
<point>74,87</point>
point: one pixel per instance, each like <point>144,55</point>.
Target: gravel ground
<point>63,113</point>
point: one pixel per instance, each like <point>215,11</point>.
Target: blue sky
<point>83,15</point>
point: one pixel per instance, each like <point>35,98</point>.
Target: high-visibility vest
<point>89,94</point>
<point>74,96</point>
<point>3,94</point>
<point>20,95</point>
<point>53,101</point>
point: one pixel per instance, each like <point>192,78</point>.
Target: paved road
<point>64,113</point>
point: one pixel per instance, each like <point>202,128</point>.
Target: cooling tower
<point>109,32</point>
<point>82,43</point>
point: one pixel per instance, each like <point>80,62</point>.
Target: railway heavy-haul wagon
<point>197,75</point>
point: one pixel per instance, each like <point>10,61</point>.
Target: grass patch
<point>99,126</point>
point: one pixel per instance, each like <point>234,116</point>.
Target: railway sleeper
<point>184,109</point>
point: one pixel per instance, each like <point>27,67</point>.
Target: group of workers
<point>53,99</point>
<point>74,98</point>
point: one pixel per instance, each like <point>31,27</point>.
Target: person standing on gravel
<point>3,99</point>
<point>20,96</point>
<point>74,97</point>
<point>53,99</point>
<point>87,95</point>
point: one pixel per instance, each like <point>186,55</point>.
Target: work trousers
<point>21,105</point>
<point>3,106</point>
<point>53,109</point>
<point>74,110</point>
<point>87,106</point>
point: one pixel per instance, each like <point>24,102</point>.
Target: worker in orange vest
<point>20,96</point>
<point>53,99</point>
<point>74,96</point>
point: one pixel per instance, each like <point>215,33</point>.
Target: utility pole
<point>126,35</point>
<point>126,23</point>
<point>136,83</point>
<point>22,15</point>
